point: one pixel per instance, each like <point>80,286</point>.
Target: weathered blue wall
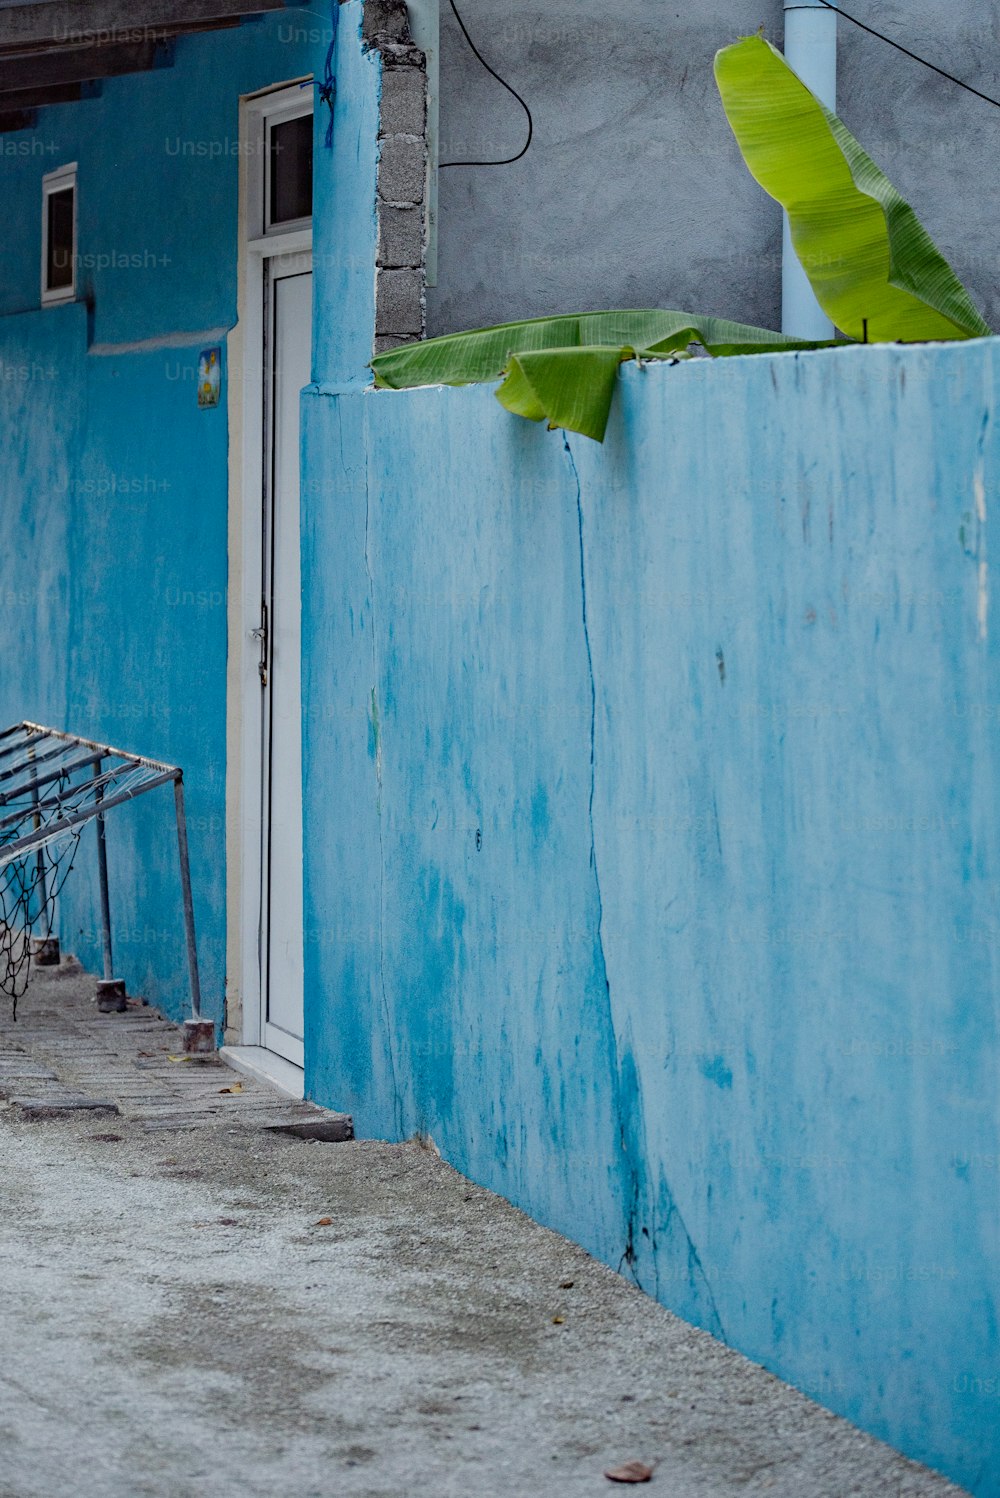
<point>651,839</point>
<point>113,488</point>
<point>653,851</point>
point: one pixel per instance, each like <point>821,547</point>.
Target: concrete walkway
<point>197,1305</point>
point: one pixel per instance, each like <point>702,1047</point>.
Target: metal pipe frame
<point>185,862</point>
<point>65,824</point>
<point>14,748</point>
<point>48,779</point>
<point>40,855</point>
<point>107,750</point>
<point>39,759</point>
<point>103,782</point>
<point>102,878</point>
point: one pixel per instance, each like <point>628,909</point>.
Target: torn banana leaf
<point>563,369</point>
<point>568,387</point>
<point>875,271</point>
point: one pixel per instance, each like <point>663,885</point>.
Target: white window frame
<point>262,113</point>
<point>53,182</point>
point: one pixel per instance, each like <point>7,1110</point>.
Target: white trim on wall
<point>285,244</point>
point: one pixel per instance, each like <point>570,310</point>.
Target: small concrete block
<point>389,341</point>
<point>199,1037</point>
<point>111,996</point>
<point>58,1105</point>
<point>45,951</point>
<point>385,20</point>
<point>404,102</point>
<point>401,170</point>
<point>402,55</point>
<point>331,1128</point>
<point>400,236</point>
<point>399,301</point>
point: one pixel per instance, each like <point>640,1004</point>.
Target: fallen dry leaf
<point>236,1087</point>
<point>630,1472</point>
<point>325,1222</point>
<point>178,1058</point>
<point>558,1320</point>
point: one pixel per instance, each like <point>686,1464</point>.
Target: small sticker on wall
<point>209,376</point>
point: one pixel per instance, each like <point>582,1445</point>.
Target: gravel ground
<point>222,1311</point>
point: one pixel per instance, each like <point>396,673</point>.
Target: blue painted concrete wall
<point>653,852</point>
<point>113,488</point>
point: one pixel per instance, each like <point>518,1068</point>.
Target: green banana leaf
<point>874,269</point>
<point>568,387</point>
<point>563,369</point>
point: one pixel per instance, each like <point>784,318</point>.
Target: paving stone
<point>332,1128</point>
<point>54,1106</point>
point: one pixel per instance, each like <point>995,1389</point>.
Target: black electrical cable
<point>907,53</point>
<point>508,160</point>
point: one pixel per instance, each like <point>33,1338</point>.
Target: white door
<point>288,346</point>
<point>275,309</point>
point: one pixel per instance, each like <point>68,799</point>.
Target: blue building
<point>622,818</point>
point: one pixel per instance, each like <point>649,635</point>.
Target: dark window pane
<point>59,269</point>
<point>291,169</point>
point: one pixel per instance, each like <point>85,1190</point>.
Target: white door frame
<point>259,245</point>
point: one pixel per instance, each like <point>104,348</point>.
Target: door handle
<point>261,635</point>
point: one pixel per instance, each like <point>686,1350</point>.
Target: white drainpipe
<point>811,52</point>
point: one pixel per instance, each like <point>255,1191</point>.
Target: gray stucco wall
<point>633,192</point>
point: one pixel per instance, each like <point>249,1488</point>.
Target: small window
<point>289,170</point>
<point>59,236</point>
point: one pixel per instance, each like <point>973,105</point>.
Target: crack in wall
<point>635,1126</point>
<point>633,1188</point>
<point>694,1258</point>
